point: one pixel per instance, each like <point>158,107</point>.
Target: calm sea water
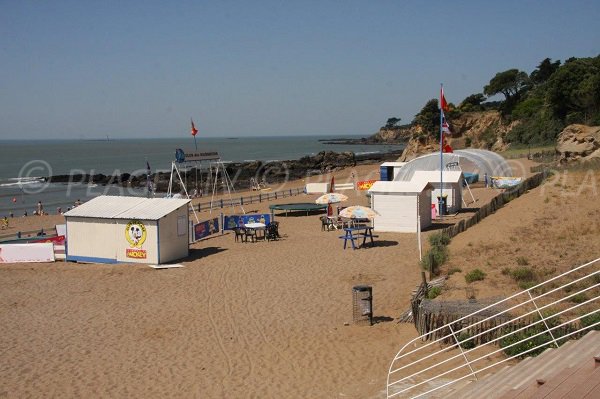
<point>23,162</point>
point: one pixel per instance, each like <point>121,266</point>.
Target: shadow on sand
<point>382,319</point>
<point>197,253</point>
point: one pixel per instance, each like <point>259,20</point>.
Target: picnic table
<point>355,233</point>
<point>256,227</point>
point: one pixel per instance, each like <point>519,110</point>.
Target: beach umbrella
<point>358,212</point>
<point>331,198</point>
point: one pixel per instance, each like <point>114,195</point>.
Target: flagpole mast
<point>441,154</point>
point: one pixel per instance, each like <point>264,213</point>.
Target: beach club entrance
<point>112,229</point>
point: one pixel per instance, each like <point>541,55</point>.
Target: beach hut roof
<point>399,187</point>
<point>117,207</point>
<point>470,160</point>
<point>433,176</point>
<point>397,164</point>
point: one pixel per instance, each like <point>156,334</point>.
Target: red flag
<point>446,147</point>
<point>194,130</point>
<point>443,103</point>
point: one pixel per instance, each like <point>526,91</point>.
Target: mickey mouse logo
<point>135,233</point>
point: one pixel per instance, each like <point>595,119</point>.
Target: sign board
<point>135,234</point>
<point>206,228</point>
<point>233,221</point>
<point>16,253</point>
<point>190,155</point>
<point>365,184</point>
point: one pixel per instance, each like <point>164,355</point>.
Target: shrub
<point>591,320</point>
<point>506,271</point>
<point>434,258</point>
<point>543,340</point>
<point>433,292</point>
<point>454,270</point>
<point>467,341</point>
<point>474,275</point>
<point>523,274</point>
<point>439,239</point>
<point>437,254</point>
<point>579,298</point>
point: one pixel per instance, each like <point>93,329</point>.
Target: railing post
<point>462,351</point>
<point>542,317</point>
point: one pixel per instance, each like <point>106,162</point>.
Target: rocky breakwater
<point>240,173</point>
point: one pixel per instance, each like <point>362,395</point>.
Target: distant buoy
<point>14,199</point>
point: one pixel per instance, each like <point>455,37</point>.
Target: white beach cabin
<point>452,190</point>
<point>113,229</point>
<point>399,205</point>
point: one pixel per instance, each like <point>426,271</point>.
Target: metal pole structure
<point>441,156</point>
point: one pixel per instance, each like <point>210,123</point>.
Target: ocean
<point>24,163</point>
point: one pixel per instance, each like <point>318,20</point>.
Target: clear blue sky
<point>246,68</point>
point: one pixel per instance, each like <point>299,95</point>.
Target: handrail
<point>398,384</point>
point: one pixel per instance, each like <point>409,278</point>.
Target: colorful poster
<point>365,184</point>
<point>206,228</point>
<point>233,221</point>
<point>135,234</point>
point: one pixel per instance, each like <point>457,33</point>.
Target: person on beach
<point>40,208</point>
<point>4,223</point>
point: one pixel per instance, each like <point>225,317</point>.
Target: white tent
<point>452,187</point>
<point>470,160</point>
<point>113,229</point>
<point>400,205</point>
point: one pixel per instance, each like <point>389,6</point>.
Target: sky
<point>142,69</point>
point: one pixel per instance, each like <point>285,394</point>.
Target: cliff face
<point>471,129</point>
<point>392,136</point>
<point>579,142</point>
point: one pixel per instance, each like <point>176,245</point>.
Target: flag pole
<point>441,155</point>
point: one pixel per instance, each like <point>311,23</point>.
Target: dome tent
<point>469,160</point>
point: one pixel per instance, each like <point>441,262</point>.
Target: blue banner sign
<point>206,228</point>
<point>232,221</point>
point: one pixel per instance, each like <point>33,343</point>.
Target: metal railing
<point>540,323</point>
<point>249,199</point>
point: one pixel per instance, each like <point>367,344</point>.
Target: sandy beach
<point>240,320</point>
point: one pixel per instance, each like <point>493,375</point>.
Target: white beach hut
<point>112,229</point>
<point>452,189</point>
<point>400,204</point>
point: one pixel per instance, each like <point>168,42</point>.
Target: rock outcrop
<point>241,173</point>
<point>578,142</point>
<point>471,129</point>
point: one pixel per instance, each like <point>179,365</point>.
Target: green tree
<point>392,122</point>
<point>429,117</point>
<point>510,83</point>
<point>575,87</point>
<point>544,71</point>
<point>473,102</point>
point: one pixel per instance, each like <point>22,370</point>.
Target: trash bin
<point>362,304</point>
<point>443,204</point>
